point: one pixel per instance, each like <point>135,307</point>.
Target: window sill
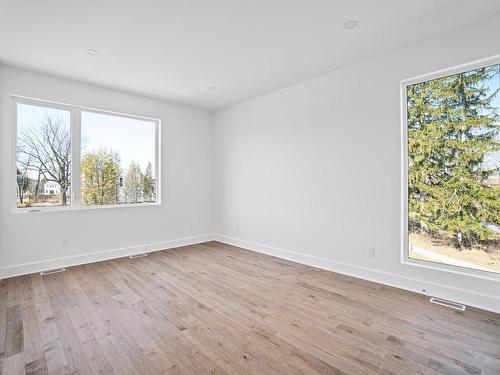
<point>470,272</point>
<point>44,210</point>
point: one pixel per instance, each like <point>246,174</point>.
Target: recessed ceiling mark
<point>351,24</point>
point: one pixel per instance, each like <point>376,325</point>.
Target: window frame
<point>75,138</point>
<point>405,254</point>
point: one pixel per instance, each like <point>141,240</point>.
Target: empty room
<point>250,187</point>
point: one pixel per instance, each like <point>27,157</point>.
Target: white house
<point>51,188</point>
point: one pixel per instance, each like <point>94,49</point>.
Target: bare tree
<point>49,146</point>
<point>22,185</point>
<point>23,166</point>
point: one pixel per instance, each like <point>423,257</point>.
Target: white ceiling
<point>177,49</point>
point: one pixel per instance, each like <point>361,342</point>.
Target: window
<point>117,160</point>
<point>72,157</point>
<point>452,168</point>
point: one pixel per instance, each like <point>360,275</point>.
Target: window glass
<point>453,169</point>
<point>117,159</point>
<point>43,156</point>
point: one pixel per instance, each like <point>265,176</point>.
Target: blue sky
<point>132,139</point>
<point>493,160</point>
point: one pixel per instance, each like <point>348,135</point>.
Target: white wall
<point>187,196</point>
<point>312,172</point>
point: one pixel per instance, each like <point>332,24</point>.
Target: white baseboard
<point>96,256</point>
<point>466,297</point>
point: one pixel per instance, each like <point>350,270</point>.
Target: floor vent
<point>451,305</point>
<point>138,256</point>
<point>50,272</point>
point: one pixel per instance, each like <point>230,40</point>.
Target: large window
<point>71,157</point>
<point>451,123</point>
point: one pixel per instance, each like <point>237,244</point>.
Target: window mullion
<point>75,156</point>
<point>157,162</point>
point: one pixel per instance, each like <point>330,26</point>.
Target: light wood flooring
<point>217,309</point>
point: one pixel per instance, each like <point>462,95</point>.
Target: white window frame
<point>405,254</point>
<point>75,135</point>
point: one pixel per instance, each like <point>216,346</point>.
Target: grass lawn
<point>482,257</point>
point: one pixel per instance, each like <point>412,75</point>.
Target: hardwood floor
<point>217,309</point>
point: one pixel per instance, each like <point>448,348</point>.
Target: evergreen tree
<point>452,127</point>
<point>100,175</point>
<point>133,183</point>
<point>148,183</point>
